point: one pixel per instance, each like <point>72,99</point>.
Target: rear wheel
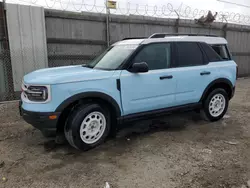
<point>88,126</point>
<point>215,105</point>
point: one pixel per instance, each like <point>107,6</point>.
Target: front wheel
<point>215,105</point>
<point>88,126</point>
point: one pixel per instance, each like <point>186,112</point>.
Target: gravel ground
<point>175,151</point>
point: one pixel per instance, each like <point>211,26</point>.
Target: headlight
<point>37,94</point>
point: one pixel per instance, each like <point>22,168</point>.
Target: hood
<point>65,74</point>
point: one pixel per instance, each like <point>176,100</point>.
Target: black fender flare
<point>84,95</point>
<point>217,81</point>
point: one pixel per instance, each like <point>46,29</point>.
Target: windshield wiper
<point>87,65</point>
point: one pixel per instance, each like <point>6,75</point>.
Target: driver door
<point>155,89</point>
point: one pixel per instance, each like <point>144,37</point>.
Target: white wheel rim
<point>217,105</point>
<point>92,127</point>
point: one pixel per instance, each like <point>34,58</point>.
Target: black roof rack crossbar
<point>163,35</point>
<point>134,38</point>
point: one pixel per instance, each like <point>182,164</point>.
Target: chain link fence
<point>7,92</point>
<point>6,81</point>
<point>72,54</point>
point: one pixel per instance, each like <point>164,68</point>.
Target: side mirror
<point>139,67</point>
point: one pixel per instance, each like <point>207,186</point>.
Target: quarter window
<point>157,56</point>
<point>221,50</point>
<point>210,53</point>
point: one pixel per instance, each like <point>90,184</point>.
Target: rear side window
<point>222,51</point>
<point>189,54</point>
<point>210,53</point>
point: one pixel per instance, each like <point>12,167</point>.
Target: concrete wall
<point>72,38</point>
<point>27,41</point>
<point>75,38</point>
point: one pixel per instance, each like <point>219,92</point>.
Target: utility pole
<point>107,23</point>
<point>4,3</point>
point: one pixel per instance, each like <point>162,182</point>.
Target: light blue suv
<point>133,79</point>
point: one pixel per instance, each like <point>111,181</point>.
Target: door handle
<point>205,73</point>
<point>166,77</point>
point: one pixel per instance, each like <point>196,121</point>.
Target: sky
<point>159,8</point>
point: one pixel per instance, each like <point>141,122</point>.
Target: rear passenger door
<point>191,72</point>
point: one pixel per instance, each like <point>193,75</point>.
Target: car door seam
<point>152,97</point>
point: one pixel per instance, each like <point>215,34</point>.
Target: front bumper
<point>233,92</point>
<point>40,120</point>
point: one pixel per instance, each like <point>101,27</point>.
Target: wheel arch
<point>92,95</point>
<point>67,105</point>
<point>223,83</point>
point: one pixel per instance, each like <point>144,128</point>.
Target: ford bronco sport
<point>133,79</point>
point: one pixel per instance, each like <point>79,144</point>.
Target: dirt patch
<point>175,151</point>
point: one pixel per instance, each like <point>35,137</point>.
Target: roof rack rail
<point>134,38</point>
<point>163,35</point>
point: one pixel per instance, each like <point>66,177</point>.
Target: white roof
<point>129,41</point>
<point>206,39</point>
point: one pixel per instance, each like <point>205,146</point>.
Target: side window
<point>189,54</point>
<point>222,51</point>
<point>210,53</point>
<point>157,56</point>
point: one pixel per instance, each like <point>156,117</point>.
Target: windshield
<point>113,57</point>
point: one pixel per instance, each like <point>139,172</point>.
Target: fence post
<point>4,4</point>
<point>177,22</point>
<point>177,25</point>
<point>107,24</point>
<point>224,28</point>
<point>10,94</point>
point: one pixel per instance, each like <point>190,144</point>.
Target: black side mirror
<point>139,67</point>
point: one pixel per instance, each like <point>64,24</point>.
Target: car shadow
<point>133,131</point>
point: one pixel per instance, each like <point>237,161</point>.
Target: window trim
<point>228,52</point>
<point>176,62</point>
<point>205,53</point>
<point>129,61</point>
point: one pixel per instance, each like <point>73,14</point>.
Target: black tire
<point>73,125</point>
<point>205,112</point>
